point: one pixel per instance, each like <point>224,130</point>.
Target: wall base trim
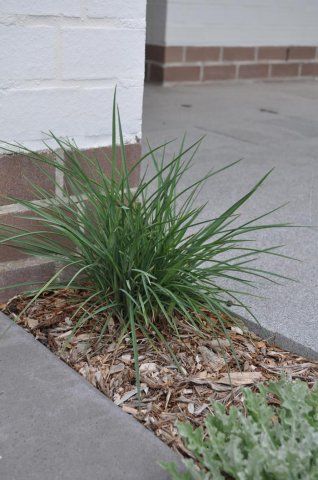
<point>193,64</point>
<point>15,169</point>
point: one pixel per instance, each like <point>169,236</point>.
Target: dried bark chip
<point>220,343</point>
<point>215,361</point>
<point>238,379</point>
<point>212,384</point>
<point>32,323</point>
<point>237,330</point>
<point>148,367</point>
<point>116,368</point>
<point>131,410</point>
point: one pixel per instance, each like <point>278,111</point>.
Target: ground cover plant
<point>274,436</point>
<point>142,260</point>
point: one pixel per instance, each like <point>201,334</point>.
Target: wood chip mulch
<point>208,369</point>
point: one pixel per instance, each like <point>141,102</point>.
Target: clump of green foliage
<point>144,257</point>
<point>264,441</point>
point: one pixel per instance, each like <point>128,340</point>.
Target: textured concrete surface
<point>55,426</point>
<point>268,125</point>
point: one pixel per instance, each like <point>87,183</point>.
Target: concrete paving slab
<point>269,125</point>
<point>55,426</point>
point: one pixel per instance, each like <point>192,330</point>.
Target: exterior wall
<point>156,22</point>
<point>59,63</point>
<point>242,23</point>
<point>241,39</point>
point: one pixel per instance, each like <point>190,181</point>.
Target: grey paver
<point>269,125</point>
<point>55,426</point>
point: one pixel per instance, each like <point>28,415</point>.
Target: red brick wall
<point>16,267</point>
<point>166,64</point>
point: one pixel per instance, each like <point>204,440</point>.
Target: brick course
<point>16,172</point>
<point>302,53</point>
<point>173,54</point>
<point>15,266</point>
<point>177,64</point>
<point>285,70</point>
<point>253,71</point>
<point>238,53</point>
<point>23,271</point>
<point>272,53</point>
<point>219,72</point>
<point>156,73</point>
<point>9,253</point>
<point>310,69</point>
<point>103,156</point>
<point>203,54</point>
<point>183,73</point>
<point>162,54</point>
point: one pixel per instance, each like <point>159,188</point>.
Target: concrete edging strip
<point>55,426</point>
<point>276,338</point>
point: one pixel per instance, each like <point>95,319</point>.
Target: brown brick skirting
<point>15,169</point>
<point>168,65</point>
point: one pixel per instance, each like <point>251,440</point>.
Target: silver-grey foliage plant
<point>264,442</point>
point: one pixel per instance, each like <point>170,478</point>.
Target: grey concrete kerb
<point>55,426</point>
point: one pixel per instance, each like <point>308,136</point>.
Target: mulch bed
<point>208,369</point>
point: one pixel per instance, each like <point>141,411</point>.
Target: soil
<point>211,368</point>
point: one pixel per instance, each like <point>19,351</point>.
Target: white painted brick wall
<point>41,7</point>
<point>88,53</point>
<point>116,8</point>
<point>59,63</point>
<point>235,22</point>
<point>26,53</point>
<point>83,114</point>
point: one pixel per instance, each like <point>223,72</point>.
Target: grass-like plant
<point>143,256</point>
<point>275,437</point>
